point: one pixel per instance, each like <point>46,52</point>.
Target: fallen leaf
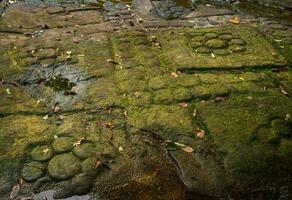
<point>284,91</point>
<point>112,61</point>
<point>97,164</point>
<point>241,78</point>
<point>137,94</point>
<point>79,142</point>
<point>56,108</point>
<point>195,113</point>
<point>14,191</point>
<point>26,198</point>
<point>125,113</point>
<point>121,148</point>
<point>183,105</point>
<point>75,40</point>
<point>174,74</point>
<point>107,124</point>
<point>234,20</point>
<point>69,53</point>
<point>287,117</point>
<point>179,144</point>
<point>46,150</point>
<point>20,181</point>
<point>212,54</point>
<point>8,91</point>
<point>187,149</point>
<point>219,99</point>
<point>200,133</point>
<point>46,117</point>
<point>56,137</point>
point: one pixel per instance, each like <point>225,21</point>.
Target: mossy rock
<point>85,150</point>
<point>63,144</point>
<point>226,36</point>
<point>159,82</point>
<point>221,52</point>
<point>89,166</point>
<point>33,171</point>
<point>216,44</point>
<point>236,48</point>
<point>195,45</point>
<point>42,153</point>
<point>64,166</point>
<point>203,50</point>
<point>210,36</point>
<point>281,128</point>
<point>182,94</point>
<point>237,42</point>
<point>82,184</point>
<point>198,39</point>
<point>163,96</point>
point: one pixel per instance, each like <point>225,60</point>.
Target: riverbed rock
<point>64,166</point>
<point>84,150</point>
<point>32,171</point>
<point>215,44</point>
<point>42,153</point>
<point>63,144</point>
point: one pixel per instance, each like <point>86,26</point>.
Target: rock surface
<point>64,166</point>
<point>126,105</point>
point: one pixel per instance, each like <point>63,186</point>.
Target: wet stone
<point>33,171</point>
<point>237,42</point>
<point>215,44</point>
<point>42,153</point>
<point>63,144</point>
<point>84,151</point>
<point>64,166</point>
<point>236,48</point>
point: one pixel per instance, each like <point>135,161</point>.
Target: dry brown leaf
<point>46,150</point>
<point>26,198</point>
<point>14,191</point>
<point>97,164</point>
<point>112,61</point>
<point>234,20</point>
<point>56,108</point>
<point>200,133</point>
<point>284,91</point>
<point>219,99</point>
<point>137,94</point>
<point>107,124</point>
<point>20,181</point>
<point>183,105</point>
<point>79,142</point>
<point>174,74</point>
<point>195,113</point>
<point>187,149</point>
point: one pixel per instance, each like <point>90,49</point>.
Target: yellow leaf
<point>187,149</point>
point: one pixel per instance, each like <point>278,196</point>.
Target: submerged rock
<point>84,151</point>
<point>32,171</point>
<point>64,166</point>
<point>63,144</point>
<point>42,153</point>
